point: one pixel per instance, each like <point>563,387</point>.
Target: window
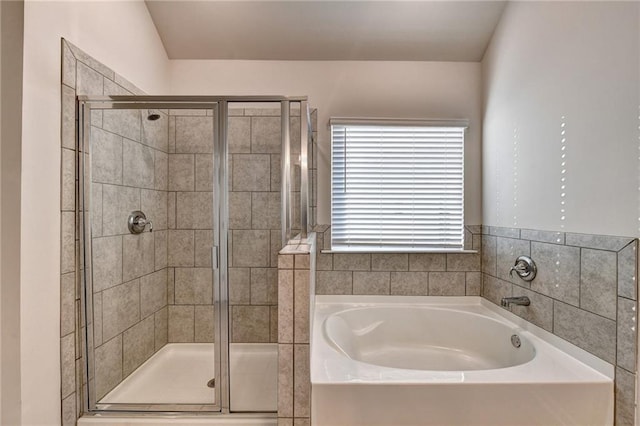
<point>397,185</point>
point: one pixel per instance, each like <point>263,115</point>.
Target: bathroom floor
<point>179,372</point>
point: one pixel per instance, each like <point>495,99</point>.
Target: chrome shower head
<point>152,116</point>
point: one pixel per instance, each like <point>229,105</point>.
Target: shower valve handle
<point>138,222</point>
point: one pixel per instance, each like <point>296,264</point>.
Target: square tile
<point>558,271</point>
<point>193,286</point>
<point>181,324</point>
<point>250,324</point>
<point>447,283</point>
<point>598,284</point>
<point>251,172</point>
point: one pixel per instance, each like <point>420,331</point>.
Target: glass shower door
<point>152,273</point>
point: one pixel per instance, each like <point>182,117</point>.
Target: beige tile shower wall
<point>190,222</point>
<point>129,172</point>
<point>585,292</point>
<point>255,219</point>
<point>129,299</point>
<point>403,274</point>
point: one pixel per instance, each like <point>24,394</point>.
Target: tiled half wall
<point>403,274</point>
<point>585,292</point>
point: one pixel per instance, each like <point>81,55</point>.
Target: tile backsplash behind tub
<point>585,292</point>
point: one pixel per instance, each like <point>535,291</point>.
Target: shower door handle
<point>214,258</point>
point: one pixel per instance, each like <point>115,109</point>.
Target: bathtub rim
<point>324,358</point>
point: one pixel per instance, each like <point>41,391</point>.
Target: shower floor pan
<point>179,372</point>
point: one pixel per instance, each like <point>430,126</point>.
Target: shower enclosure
<point>184,205</point>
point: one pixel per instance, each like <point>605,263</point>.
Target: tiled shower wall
<point>82,75</point>
<point>128,172</point>
<point>190,222</point>
<point>255,220</point>
<point>585,292</point>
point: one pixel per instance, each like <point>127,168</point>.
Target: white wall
<point>354,89</point>
<point>122,36</point>
<point>555,67</point>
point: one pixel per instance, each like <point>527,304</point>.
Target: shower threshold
<point>179,373</point>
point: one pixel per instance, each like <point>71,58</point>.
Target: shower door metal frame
<point>219,105</point>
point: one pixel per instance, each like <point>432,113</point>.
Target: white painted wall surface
<point>121,35</point>
<point>571,67</point>
<point>354,89</point>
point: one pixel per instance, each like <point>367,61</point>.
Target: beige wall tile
<point>194,134</point>
<point>67,247</point>
<point>68,184</point>
<point>67,364</point>
<point>389,262</point>
<point>265,210</point>
<point>447,283</point>
<point>88,80</point>
<point>153,292</point>
<point>154,206</point>
<point>137,165</point>
<point>239,135</point>
<point>285,380</point>
<point>204,172</point>
<point>193,286</point>
<point>239,286</point>
<point>589,331</point>
<point>334,282</point>
<point>251,172</point>
<point>156,133</point>
<point>181,324</point>
<point>118,202</point>
<point>181,172</point>
<point>473,283</point>
<point>265,135</point>
<point>371,282</point>
<point>68,124</point>
<point>137,345</point>
<point>285,306</point>
<point>250,248</point>
<point>120,308</point>
<point>204,323</point>
<point>463,262</point>
<point>107,262</point>
<point>494,289</point>
<point>194,210</point>
<point>160,240</point>
<point>67,303</point>
<point>250,324</point>
<point>161,329</point>
<point>301,306</point>
<point>240,210</point>
<point>68,66</point>
<point>123,122</point>
<point>410,283</point>
<point>427,262</point>
<point>558,271</point>
<point>489,254</point>
<point>203,244</point>
<point>180,248</point>
<point>351,262</point>
<point>598,284</point>
<point>161,170</point>
<point>108,366</point>
<point>301,380</point>
<point>138,256</point>
<point>627,325</point>
<point>627,274</point>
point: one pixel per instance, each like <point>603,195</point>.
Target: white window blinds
<point>397,187</point>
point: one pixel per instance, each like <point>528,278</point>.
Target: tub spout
<point>521,300</point>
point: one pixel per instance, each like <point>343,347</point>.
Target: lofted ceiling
<point>446,30</point>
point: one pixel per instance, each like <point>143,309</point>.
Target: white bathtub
<point>389,360</point>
